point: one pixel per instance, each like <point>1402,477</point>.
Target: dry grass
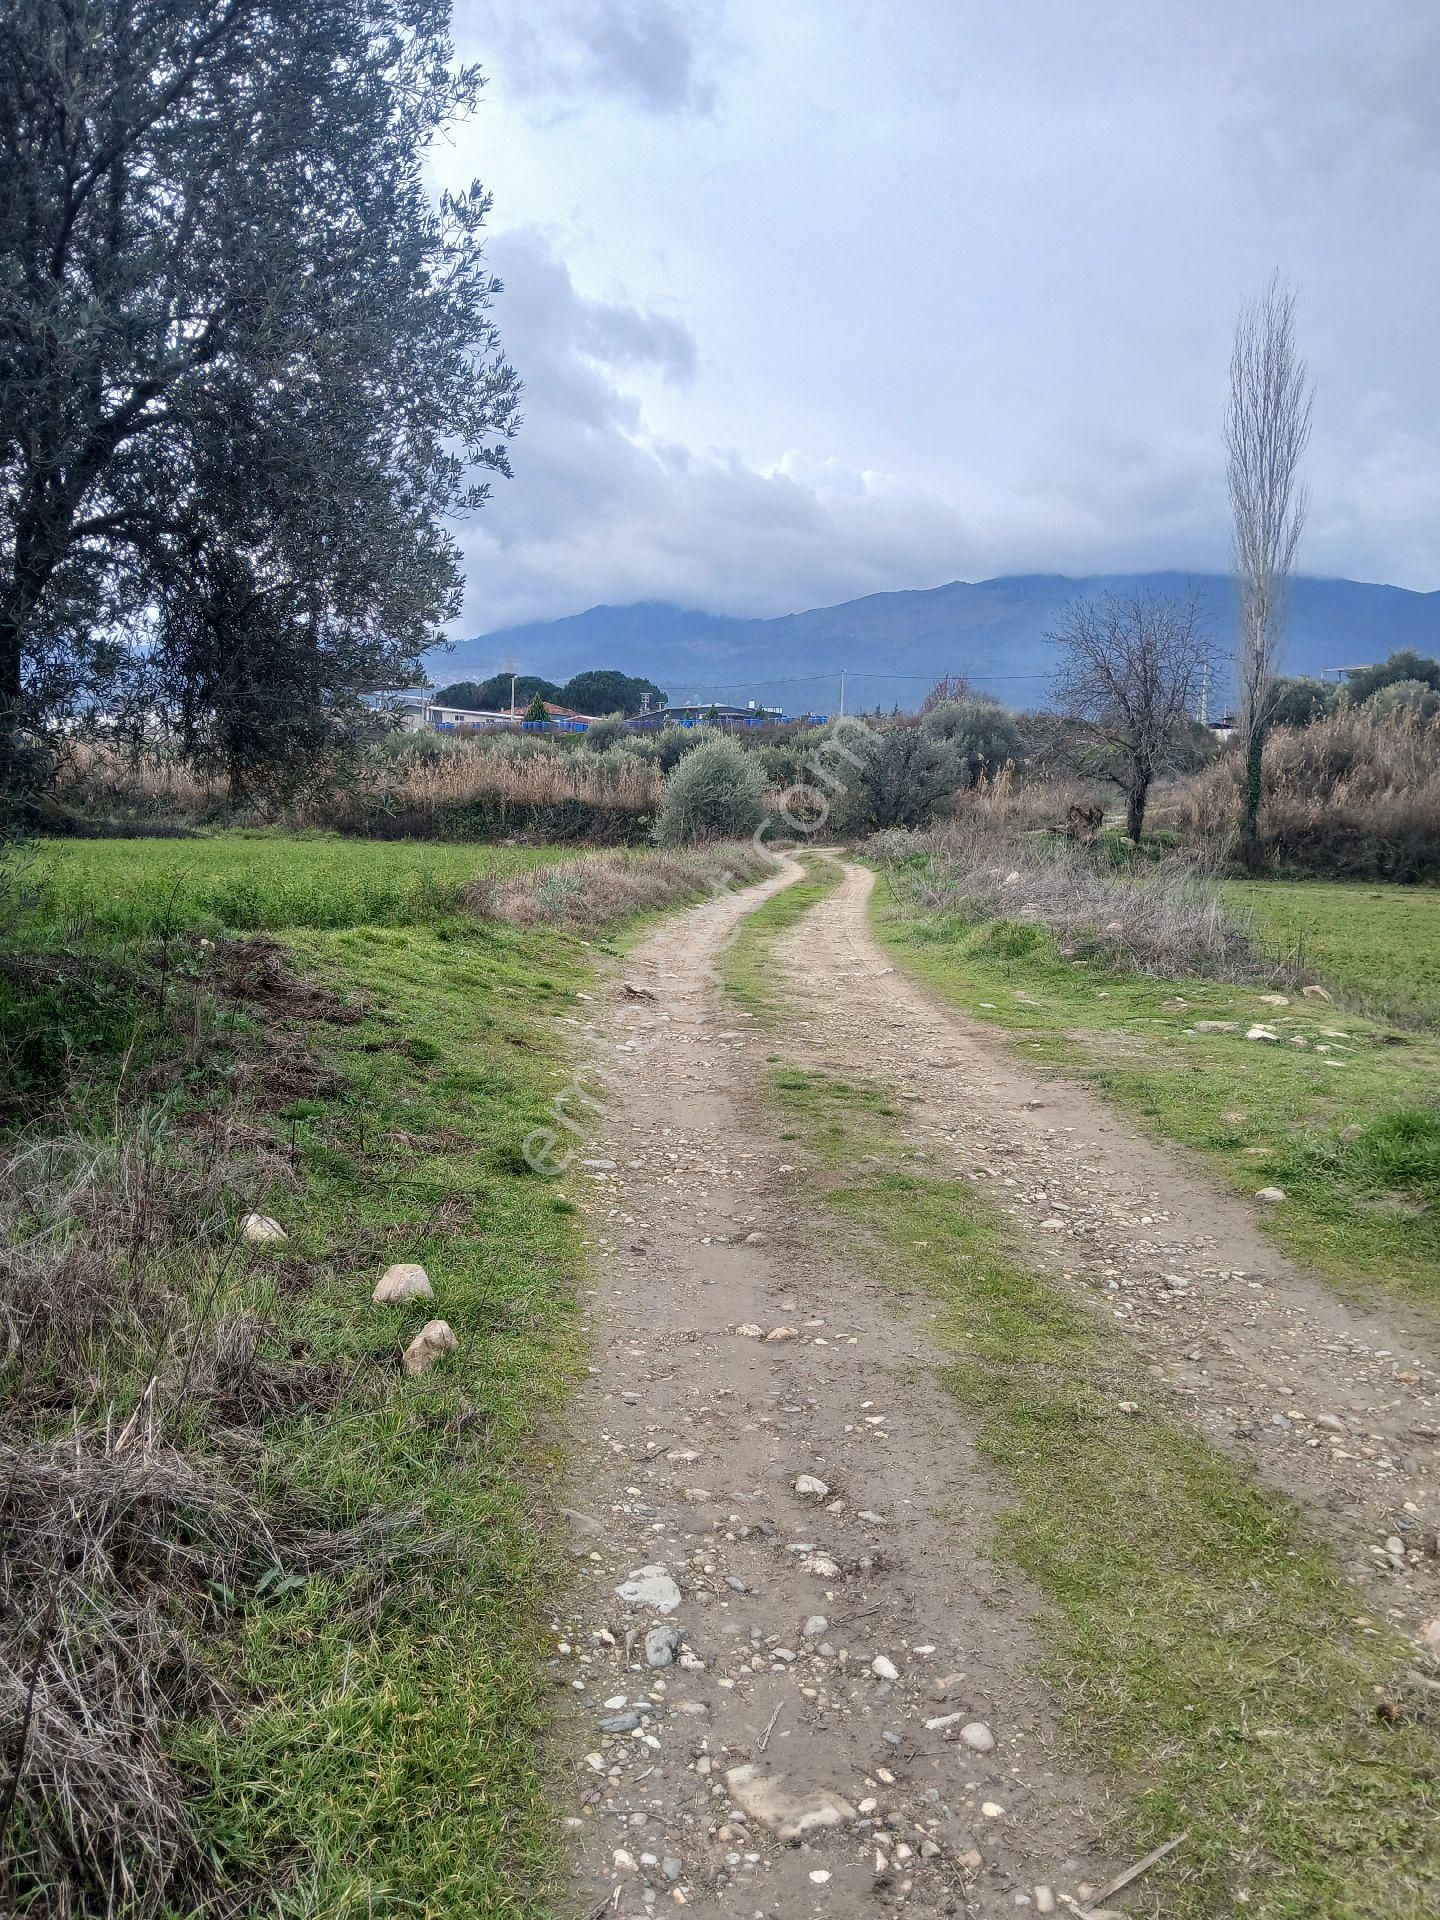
<point>409,785</point>
<point>1356,795</point>
<point>1168,919</point>
<point>598,890</point>
<point>1001,802</point>
<point>507,779</point>
<point>126,1526</point>
<point>152,783</point>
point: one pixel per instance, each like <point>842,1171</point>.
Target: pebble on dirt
<point>789,1815</point>
<point>650,1587</point>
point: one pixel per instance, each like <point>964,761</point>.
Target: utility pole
<point>512,696</point>
<point>842,693</point>
<point>1205,695</point>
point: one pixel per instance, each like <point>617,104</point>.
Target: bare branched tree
<point>950,686</point>
<point>1130,675</point>
<point>1267,426</point>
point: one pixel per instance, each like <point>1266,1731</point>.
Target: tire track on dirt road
<point>820,1694</point>
<point>1333,1405</point>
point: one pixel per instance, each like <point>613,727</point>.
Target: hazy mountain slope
<point>894,645</point>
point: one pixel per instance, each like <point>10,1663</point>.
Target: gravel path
<point>1335,1405</point>
<point>815,1694</point>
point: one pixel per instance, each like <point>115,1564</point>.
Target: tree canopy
<point>1404,665</point>
<point>246,358</point>
<point>607,690</point>
<point>493,695</point>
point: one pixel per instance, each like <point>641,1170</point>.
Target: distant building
<point>420,712</point>
<point>699,713</point>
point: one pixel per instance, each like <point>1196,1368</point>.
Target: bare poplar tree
<point>1267,426</point>
<point>1130,674</point>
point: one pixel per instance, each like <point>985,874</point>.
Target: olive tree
<point>240,339</point>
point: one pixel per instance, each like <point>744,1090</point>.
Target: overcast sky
<point>818,297</point>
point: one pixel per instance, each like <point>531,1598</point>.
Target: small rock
<point>1128,1406</point>
<point>1261,1033</point>
<point>403,1281</point>
<point>661,1646</point>
<point>1318,993</point>
<point>822,1565</point>
<point>816,1627</point>
<point>1331,1422</point>
<point>976,1734</point>
<point>811,1488</point>
<point>1044,1900</point>
<point>434,1338</point>
<point>259,1229</point>
<point>754,1240</point>
<point>1215,1026</point>
<point>790,1815</point>
<point>620,1723</point>
<point>884,1668</point>
<point>1271,1195</point>
<point>650,1587</point>
<point>1274,1000</point>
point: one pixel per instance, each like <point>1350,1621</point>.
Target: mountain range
<point>893,646</point>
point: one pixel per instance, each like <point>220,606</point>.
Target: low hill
<point>893,646</point>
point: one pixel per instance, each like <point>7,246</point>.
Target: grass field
<point>246,882</point>
<point>1209,1655</point>
<point>367,1079</point>
<point>1347,1124</point>
<point>1378,947</point>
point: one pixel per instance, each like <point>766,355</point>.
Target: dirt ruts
<point>811,1644</point>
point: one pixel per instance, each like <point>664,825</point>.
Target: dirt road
<point>799,1685</point>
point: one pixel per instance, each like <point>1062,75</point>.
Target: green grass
<point>1205,1650</point>
<point>383,1751</point>
<point>746,965</point>
<point>1351,1134</point>
<point>1377,946</point>
<point>397,1757</point>
<point>247,882</point>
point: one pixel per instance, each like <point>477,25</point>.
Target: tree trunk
<point>1250,814</point>
<point>1137,792</point>
<point>11,681</point>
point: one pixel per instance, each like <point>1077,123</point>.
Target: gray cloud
<point>651,53</point>
<point>935,292</point>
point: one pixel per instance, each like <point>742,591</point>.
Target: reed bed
<point>1355,796</point>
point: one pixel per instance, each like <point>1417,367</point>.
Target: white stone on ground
<point>434,1338</point>
<point>403,1281</point>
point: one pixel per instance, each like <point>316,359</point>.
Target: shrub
<point>1406,696</point>
<point>605,732</point>
<point>982,736</point>
<point>1300,702</point>
<point>675,742</point>
<point>717,792</point>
